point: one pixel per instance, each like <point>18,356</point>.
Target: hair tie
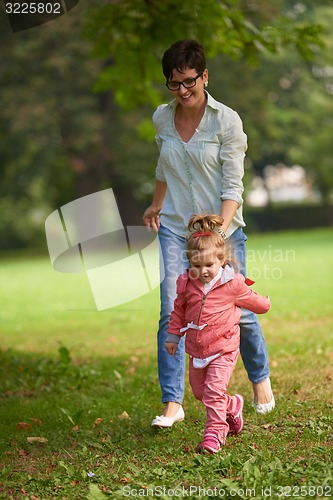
<point>201,233</point>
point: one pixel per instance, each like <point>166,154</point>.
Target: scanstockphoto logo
<point>24,15</point>
<point>87,235</point>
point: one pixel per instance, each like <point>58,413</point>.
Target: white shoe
<point>162,421</point>
<point>264,407</point>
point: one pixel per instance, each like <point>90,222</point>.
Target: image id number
<point>304,491</point>
<point>33,8</point>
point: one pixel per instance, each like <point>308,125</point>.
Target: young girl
<point>208,309</point>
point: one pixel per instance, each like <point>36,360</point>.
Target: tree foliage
<point>50,124</point>
<point>70,106</point>
<point>295,122</point>
<point>131,35</point>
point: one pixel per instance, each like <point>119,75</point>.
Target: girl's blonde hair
<point>203,235</point>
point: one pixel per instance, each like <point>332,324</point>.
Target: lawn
<point>79,388</point>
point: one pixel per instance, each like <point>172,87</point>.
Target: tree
<point>314,148</point>
<point>133,34</point>
<point>60,140</point>
<point>294,120</point>
<point>249,39</point>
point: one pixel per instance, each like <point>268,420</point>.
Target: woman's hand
<point>151,218</point>
<point>171,347</point>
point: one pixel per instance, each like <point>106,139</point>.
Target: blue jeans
<point>171,370</point>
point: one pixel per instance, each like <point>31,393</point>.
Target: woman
<point>200,169</point>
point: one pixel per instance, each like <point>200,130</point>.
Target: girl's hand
<point>171,347</point>
<point>151,218</point>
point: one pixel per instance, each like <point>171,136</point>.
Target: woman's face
<point>193,96</point>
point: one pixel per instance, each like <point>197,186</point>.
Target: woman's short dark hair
<point>183,54</point>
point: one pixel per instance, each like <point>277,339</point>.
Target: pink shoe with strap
<point>235,419</point>
<point>210,442</point>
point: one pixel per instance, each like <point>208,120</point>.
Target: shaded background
<point>77,95</point>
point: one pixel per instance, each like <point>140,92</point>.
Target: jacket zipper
<point>203,300</point>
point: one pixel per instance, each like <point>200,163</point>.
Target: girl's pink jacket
<point>211,321</point>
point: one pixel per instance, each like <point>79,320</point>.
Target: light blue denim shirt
<point>203,171</point>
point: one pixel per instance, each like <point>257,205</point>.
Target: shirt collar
<point>211,102</point>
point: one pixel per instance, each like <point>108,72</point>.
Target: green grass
<point>68,373</point>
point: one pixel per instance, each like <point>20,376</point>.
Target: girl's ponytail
<point>204,223</point>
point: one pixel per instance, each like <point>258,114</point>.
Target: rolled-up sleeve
<point>232,154</point>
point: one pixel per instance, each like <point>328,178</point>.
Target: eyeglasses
<point>187,84</point>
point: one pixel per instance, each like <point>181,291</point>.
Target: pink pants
<point>209,385</point>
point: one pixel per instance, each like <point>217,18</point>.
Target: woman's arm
<point>228,210</point>
<point>151,216</point>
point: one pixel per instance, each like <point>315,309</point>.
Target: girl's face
<point>193,96</point>
<point>205,265</point>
